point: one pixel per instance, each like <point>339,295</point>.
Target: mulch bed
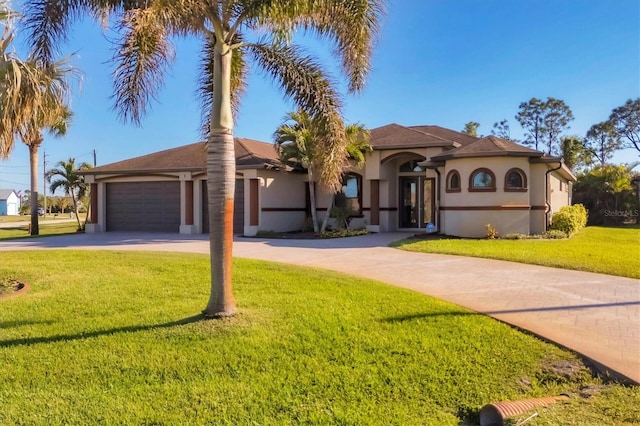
<point>11,287</point>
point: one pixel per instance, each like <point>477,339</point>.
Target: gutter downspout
<point>547,194</point>
<point>437,199</point>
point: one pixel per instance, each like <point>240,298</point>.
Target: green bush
<point>555,234</point>
<point>570,219</point>
<point>516,236</point>
<point>341,233</point>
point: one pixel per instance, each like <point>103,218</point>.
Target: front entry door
<point>417,201</point>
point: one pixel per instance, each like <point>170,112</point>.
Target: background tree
<point>544,122</point>
<point>531,118</point>
<point>33,97</point>
<point>556,118</point>
<point>608,193</point>
<point>232,32</point>
<point>602,141</point>
<point>626,120</point>
<point>573,152</point>
<point>66,177</point>
<point>471,128</point>
<point>502,130</point>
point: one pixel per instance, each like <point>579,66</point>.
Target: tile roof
<point>452,135</point>
<point>489,146</point>
<point>249,154</point>
<point>394,136</point>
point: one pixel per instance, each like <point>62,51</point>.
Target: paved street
<point>593,314</point>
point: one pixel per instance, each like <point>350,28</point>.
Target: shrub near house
<point>570,219</point>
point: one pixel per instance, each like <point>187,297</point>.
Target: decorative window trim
<point>448,181</point>
<point>523,175</point>
<point>473,174</point>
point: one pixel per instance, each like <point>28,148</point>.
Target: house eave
<point>445,157</point>
<point>416,146</point>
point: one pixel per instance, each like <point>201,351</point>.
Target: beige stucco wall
<point>507,211</point>
<point>279,192</point>
<point>499,166</point>
<point>559,192</point>
<point>471,224</point>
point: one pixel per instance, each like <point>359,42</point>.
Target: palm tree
<point>297,141</point>
<point>70,181</point>
<point>33,97</point>
<point>294,142</point>
<point>232,32</point>
<point>356,145</point>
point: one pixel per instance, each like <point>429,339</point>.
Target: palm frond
<point>33,96</point>
<point>299,76</point>
<point>303,80</point>
<point>358,143</point>
<point>47,23</point>
<point>142,58</point>
<point>351,25</point>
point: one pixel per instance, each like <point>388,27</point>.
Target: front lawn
<point>45,229</point>
<point>114,338</point>
<point>613,251</point>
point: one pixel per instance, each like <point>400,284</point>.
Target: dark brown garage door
<point>238,208</point>
<point>143,207</point>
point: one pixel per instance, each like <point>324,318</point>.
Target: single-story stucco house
<point>415,177</point>
<point>9,203</point>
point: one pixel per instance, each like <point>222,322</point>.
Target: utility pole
<point>44,181</point>
<point>94,158</point>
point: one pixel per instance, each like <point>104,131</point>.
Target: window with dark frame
<point>453,181</point>
<point>482,180</point>
<point>515,180</point>
<point>351,194</point>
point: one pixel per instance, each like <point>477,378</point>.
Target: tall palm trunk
<point>75,208</point>
<point>325,221</point>
<point>221,174</point>
<point>33,163</point>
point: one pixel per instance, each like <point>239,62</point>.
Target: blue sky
<point>443,62</point>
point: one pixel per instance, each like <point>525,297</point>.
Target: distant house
<point>416,178</point>
<point>9,203</point>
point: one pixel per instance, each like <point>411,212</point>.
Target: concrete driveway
<point>595,315</point>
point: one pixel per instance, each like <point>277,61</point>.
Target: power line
<point>13,183</point>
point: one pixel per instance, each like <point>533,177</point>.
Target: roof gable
<point>489,146</point>
<point>394,136</point>
<point>6,193</point>
<point>444,133</point>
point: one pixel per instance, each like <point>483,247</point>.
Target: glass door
<point>409,213</point>
<point>417,202</point>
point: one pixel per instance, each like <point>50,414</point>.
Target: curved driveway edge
<point>595,315</point>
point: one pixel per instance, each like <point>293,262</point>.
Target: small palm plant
<point>67,178</point>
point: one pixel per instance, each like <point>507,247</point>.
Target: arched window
<point>351,194</point>
<point>411,166</point>
<point>482,180</point>
<point>453,181</point>
<point>515,180</point>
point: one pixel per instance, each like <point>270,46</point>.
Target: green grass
<point>613,251</point>
<point>114,338</point>
<point>46,229</point>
